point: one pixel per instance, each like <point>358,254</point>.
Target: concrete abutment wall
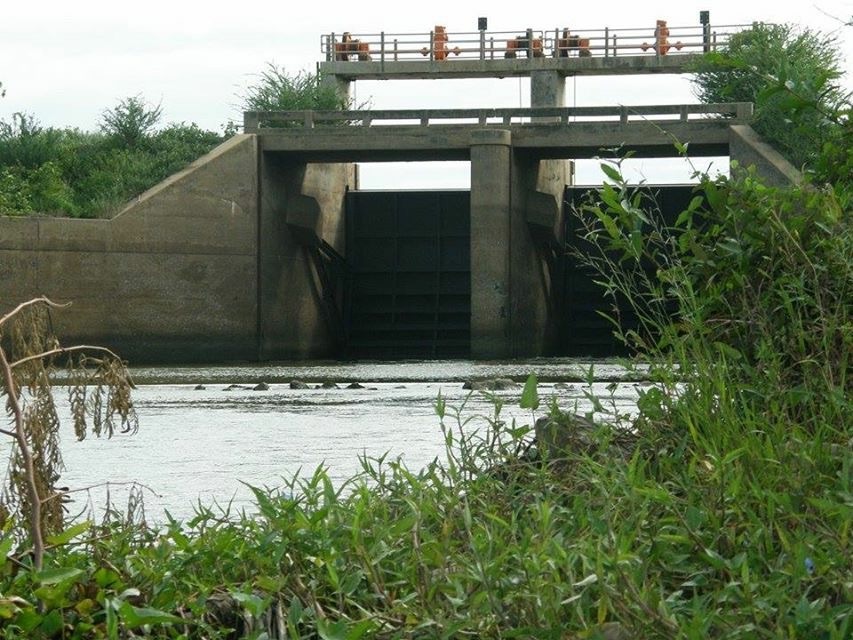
<point>173,277</point>
<point>202,268</point>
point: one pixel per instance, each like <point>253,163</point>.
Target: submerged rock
<point>261,386</point>
<point>328,384</point>
<point>298,384</point>
<point>490,384</point>
<point>236,387</point>
<point>355,385</point>
<point>199,387</point>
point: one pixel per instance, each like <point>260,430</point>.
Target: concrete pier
<point>491,240</point>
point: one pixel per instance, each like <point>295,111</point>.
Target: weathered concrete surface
<point>646,138</point>
<point>299,203</point>
<point>537,232</point>
<point>547,89</point>
<point>173,277</point>
<point>491,239</point>
<point>379,69</point>
<point>747,147</point>
<point>516,220</point>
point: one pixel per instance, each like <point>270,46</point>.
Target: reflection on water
<point>202,445</point>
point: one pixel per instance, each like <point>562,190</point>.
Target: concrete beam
<point>543,140</point>
<point>505,68</point>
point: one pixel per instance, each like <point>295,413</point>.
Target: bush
<point>74,173</point>
<point>791,75</point>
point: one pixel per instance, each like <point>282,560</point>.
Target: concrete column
<point>491,223</point>
<point>343,86</point>
<point>547,89</point>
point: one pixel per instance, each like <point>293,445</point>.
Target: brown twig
<point>29,466</point>
<point>32,303</point>
<point>64,350</point>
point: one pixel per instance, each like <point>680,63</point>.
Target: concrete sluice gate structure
<point>265,249</point>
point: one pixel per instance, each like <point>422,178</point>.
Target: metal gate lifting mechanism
<point>570,42</point>
<point>528,44</point>
<point>348,46</point>
<point>661,45</point>
<point>439,45</point>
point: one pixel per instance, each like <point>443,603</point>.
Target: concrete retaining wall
<point>171,278</point>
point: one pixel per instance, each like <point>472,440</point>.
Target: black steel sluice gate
<point>408,292</point>
<point>409,259</point>
<point>583,328</point>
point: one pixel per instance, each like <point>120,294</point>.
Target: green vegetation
<point>727,513</point>
<point>276,90</point>
<point>68,172</point>
<point>792,76</point>
<point>75,173</point>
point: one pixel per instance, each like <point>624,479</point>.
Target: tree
<point>130,121</point>
<point>276,90</point>
<point>99,393</point>
<point>792,77</point>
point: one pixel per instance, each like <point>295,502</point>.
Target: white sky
<point>65,62</point>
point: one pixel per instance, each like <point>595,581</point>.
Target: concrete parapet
<point>748,149</point>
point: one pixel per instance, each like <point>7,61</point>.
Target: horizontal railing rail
<point>438,45</point>
<point>257,121</point>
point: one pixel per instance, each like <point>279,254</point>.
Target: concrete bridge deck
<point>581,132</point>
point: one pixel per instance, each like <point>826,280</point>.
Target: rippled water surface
<point>201,445</point>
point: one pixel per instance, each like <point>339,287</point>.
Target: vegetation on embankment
<point>728,516</point>
<point>74,173</point>
<point>68,172</point>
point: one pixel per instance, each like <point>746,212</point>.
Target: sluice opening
<point>409,282</point>
<point>584,327</point>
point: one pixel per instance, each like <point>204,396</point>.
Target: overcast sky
<point>65,62</point>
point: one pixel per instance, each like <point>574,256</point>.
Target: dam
<point>266,248</point>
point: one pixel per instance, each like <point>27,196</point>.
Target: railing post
<point>382,50</point>
<point>744,110</point>
<point>623,115</point>
<point>482,45</point>
<point>606,42</point>
<point>684,113</point>
<point>308,119</point>
<point>557,42</point>
<point>396,52</point>
<point>530,44</point>
<point>431,46</point>
<point>615,47</point>
<point>330,47</point>
<point>657,42</point>
<point>492,48</point>
<point>251,122</point>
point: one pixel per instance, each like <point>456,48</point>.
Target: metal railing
<point>257,121</point>
<point>438,45</point>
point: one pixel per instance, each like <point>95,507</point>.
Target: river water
<point>203,446</point>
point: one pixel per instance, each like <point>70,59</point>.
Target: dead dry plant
<point>99,394</point>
